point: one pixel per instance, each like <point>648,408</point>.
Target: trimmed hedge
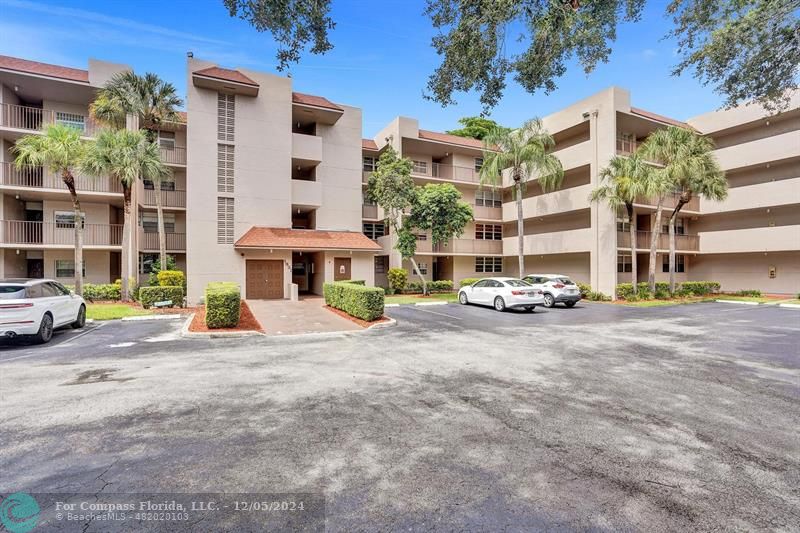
<point>467,281</point>
<point>359,301</point>
<point>150,295</point>
<point>699,288</point>
<point>585,289</point>
<point>99,291</point>
<point>171,278</point>
<point>748,292</point>
<point>223,304</point>
<point>441,285</point>
<point>687,288</point>
<point>354,281</point>
<point>398,277</point>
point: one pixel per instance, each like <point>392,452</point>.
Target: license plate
<point>572,291</point>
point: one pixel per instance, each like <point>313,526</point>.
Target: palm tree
<point>525,154</point>
<point>691,169</point>
<point>623,181</point>
<point>59,149</point>
<point>125,156</point>
<point>153,101</point>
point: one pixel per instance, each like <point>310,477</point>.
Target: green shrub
<point>150,295</point>
<point>171,278</point>
<point>597,296</point>
<point>359,301</point>
<point>398,277</point>
<point>467,281</point>
<point>661,294</point>
<point>698,288</point>
<point>99,291</point>
<point>223,304</point>
<point>748,292</point>
<point>133,287</point>
<point>152,278</point>
<point>625,290</point>
<point>354,281</point>
<point>442,285</point>
<point>585,289</point>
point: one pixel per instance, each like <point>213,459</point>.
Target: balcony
<point>483,212</point>
<point>769,239</point>
<point>760,151</point>
<point>551,203</point>
<point>33,119</point>
<point>365,174</point>
<point>556,242</point>
<point>441,171</point>
<point>148,242</point>
<point>461,246</point>
<point>32,177</point>
<point>169,199</point>
<point>670,201</point>
<point>306,147</point>
<point>683,243</point>
<point>571,157</point>
<point>20,232</point>
<point>174,156</point>
<point>369,211</point>
<point>306,193</point>
<point>761,195</point>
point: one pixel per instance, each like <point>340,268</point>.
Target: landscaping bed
<point>418,298</point>
<point>362,323</point>
<point>114,310</point>
<point>247,322</point>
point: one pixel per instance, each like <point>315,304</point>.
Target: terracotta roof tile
<point>451,139</point>
<point>369,144</point>
<point>660,118</point>
<point>226,74</point>
<point>182,117</point>
<point>318,101</point>
<point>305,239</point>
<point>44,69</point>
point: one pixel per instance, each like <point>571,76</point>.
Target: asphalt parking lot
<point>459,418</point>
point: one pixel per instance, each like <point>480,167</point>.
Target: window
<point>14,292</point>
<point>481,283</point>
<point>680,227</point>
<point>381,264</point>
<point>224,220</point>
<point>489,232</point>
<point>72,120</point>
<point>624,263</point>
<point>369,163</point>
<point>66,219</point>
<point>150,222</point>
<point>420,167</point>
<point>489,198</point>
<point>366,199</point>
<point>60,289</point>
<point>165,185</point>
<point>623,224</point>
<point>48,290</point>
<point>225,168</point>
<point>489,264</point>
<point>166,140</point>
<point>373,230</point>
<point>478,164</point>
<point>423,268</point>
<point>626,143</point>
<point>65,268</point>
<point>680,263</point>
<point>226,108</point>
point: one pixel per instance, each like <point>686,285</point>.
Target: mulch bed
<point>247,322</point>
<point>362,323</point>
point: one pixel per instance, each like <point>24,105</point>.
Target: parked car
<point>36,307</point>
<point>501,293</point>
<point>555,288</point>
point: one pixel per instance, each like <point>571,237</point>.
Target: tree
<point>125,156</point>
<point>60,149</point>
<point>475,127</point>
<point>748,48</point>
<point>691,169</point>
<point>524,154</point>
<point>622,181</point>
<point>154,102</point>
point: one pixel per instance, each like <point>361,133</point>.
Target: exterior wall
<point>750,271</point>
<point>98,264</point>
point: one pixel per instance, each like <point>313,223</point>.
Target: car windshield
<point>516,283</point>
<point>11,292</point>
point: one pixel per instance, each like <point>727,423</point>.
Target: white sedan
<point>36,307</point>
<point>501,293</point>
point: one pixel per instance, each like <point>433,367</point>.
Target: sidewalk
<point>284,317</point>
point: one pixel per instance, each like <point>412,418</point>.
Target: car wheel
<point>81,320</point>
<point>45,332</point>
<point>530,308</point>
<point>462,298</point>
<point>569,304</point>
<point>499,304</point>
<point>549,301</point>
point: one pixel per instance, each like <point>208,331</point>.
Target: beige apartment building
<point>268,185</point>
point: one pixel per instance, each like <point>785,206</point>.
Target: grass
<point>113,311</point>
<point>757,299</point>
<point>416,298</point>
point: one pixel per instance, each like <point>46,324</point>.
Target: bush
<point>597,296</point>
<point>359,301</point>
<point>467,281</point>
<point>661,294</point>
<point>442,285</point>
<point>398,277</point>
<point>748,292</point>
<point>133,287</point>
<point>354,281</point>
<point>152,279</point>
<point>150,295</point>
<point>171,278</point>
<point>698,288</point>
<point>223,304</point>
<point>585,289</point>
<point>625,290</point>
<point>99,291</point>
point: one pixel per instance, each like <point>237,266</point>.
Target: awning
<point>259,237</point>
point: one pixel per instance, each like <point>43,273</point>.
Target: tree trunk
<point>126,242</point>
<point>654,233</point>
<point>520,226</point>
<point>672,220</point>
<point>69,181</point>
<point>162,235</point>
<point>632,230</point>
<point>416,269</point>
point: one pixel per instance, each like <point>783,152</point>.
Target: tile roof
<point>305,239</point>
<point>660,118</point>
<point>451,139</point>
<point>226,74</point>
<point>318,101</point>
<point>369,144</point>
<point>44,69</point>
<point>182,116</point>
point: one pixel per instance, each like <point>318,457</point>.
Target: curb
<point>790,306</point>
<point>150,317</point>
<point>215,335</point>
<point>236,334</point>
<point>737,302</point>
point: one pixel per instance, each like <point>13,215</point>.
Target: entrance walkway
<point>284,317</point>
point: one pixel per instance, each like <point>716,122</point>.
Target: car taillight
<point>558,286</point>
<point>517,293</point>
<point>15,306</point>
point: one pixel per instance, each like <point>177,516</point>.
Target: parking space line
<point>417,308</point>
<point>61,344</point>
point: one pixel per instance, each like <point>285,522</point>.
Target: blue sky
<point>380,62</point>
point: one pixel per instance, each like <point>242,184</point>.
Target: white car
<point>501,293</point>
<point>36,307</point>
<point>556,288</point>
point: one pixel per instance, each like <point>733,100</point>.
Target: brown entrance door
<point>264,279</point>
<point>341,268</point>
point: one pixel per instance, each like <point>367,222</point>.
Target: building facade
<point>268,191</point>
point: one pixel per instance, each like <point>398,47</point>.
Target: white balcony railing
<point>35,118</point>
<point>50,233</point>
<point>39,178</point>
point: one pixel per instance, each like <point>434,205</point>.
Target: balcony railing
<point>461,246</point>
<point>35,118</point>
<point>626,145</point>
<point>689,243</point>
<point>168,198</point>
<point>50,233</point>
<point>369,211</point>
<point>670,201</point>
<point>149,241</point>
<point>173,156</point>
<point>39,178</point>
<point>483,212</point>
<point>448,172</point>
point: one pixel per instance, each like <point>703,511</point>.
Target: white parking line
<point>66,344</point>
<point>416,307</point>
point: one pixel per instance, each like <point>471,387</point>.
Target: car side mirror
<point>72,293</point>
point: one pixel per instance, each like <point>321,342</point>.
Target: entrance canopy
<point>259,238</point>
